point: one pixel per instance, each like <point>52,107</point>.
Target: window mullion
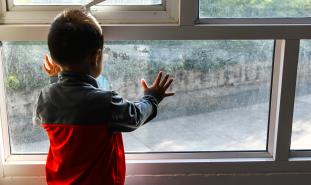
<point>1,140</point>
<point>275,93</point>
<point>10,4</point>
<point>2,6</point>
<point>4,135</point>
<point>282,98</point>
<point>189,11</point>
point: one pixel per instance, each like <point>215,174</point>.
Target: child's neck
<point>78,69</point>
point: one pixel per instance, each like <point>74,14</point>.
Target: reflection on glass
<point>301,136</point>
<point>80,2</point>
<point>221,102</point>
<point>254,8</point>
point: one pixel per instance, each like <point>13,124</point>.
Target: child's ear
<point>99,55</point>
<point>96,58</point>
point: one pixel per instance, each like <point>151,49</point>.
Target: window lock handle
<point>92,3</point>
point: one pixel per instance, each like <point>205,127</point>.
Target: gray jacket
<point>76,99</point>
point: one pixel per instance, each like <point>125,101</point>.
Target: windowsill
<point>169,166</point>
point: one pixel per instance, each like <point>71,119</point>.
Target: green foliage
<point>132,60</point>
<point>12,82</point>
<point>205,60</point>
<point>22,64</point>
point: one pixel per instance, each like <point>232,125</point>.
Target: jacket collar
<point>77,77</point>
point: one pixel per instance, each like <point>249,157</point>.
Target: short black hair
<point>74,35</point>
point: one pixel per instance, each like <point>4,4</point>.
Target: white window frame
<point>2,7</point>
<point>166,13</point>
<point>277,158</point>
<point>303,20</point>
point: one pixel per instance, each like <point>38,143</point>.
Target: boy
<point>83,122</point>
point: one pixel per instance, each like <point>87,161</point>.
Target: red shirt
<point>84,155</point>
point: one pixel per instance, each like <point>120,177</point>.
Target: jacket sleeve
<point>36,119</point>
<point>126,116</point>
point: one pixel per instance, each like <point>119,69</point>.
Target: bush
<point>12,82</point>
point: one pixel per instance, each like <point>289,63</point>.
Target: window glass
<point>221,102</point>
<point>254,8</point>
<point>78,2</point>
<point>301,136</point>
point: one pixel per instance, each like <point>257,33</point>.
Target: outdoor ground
<point>242,128</point>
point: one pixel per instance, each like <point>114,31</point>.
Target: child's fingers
<point>44,68</point>
<point>168,84</point>
<point>158,79</point>
<point>47,63</point>
<point>48,71</point>
<point>48,58</point>
<point>144,84</point>
<point>169,94</point>
<point>47,67</point>
<point>164,80</point>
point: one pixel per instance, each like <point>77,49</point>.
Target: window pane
<point>254,8</point>
<point>23,80</point>
<point>221,102</point>
<point>301,136</point>
<point>80,2</point>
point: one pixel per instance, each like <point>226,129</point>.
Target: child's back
<point>83,122</point>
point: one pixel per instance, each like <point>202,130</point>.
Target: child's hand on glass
<point>50,67</point>
<point>159,87</point>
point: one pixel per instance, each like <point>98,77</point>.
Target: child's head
<point>75,41</point>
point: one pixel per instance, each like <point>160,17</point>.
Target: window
<point>167,35</point>
<point>21,91</point>
<point>222,85</point>
<point>254,8</point>
<point>80,2</point>
<point>302,118</point>
<point>109,12</point>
